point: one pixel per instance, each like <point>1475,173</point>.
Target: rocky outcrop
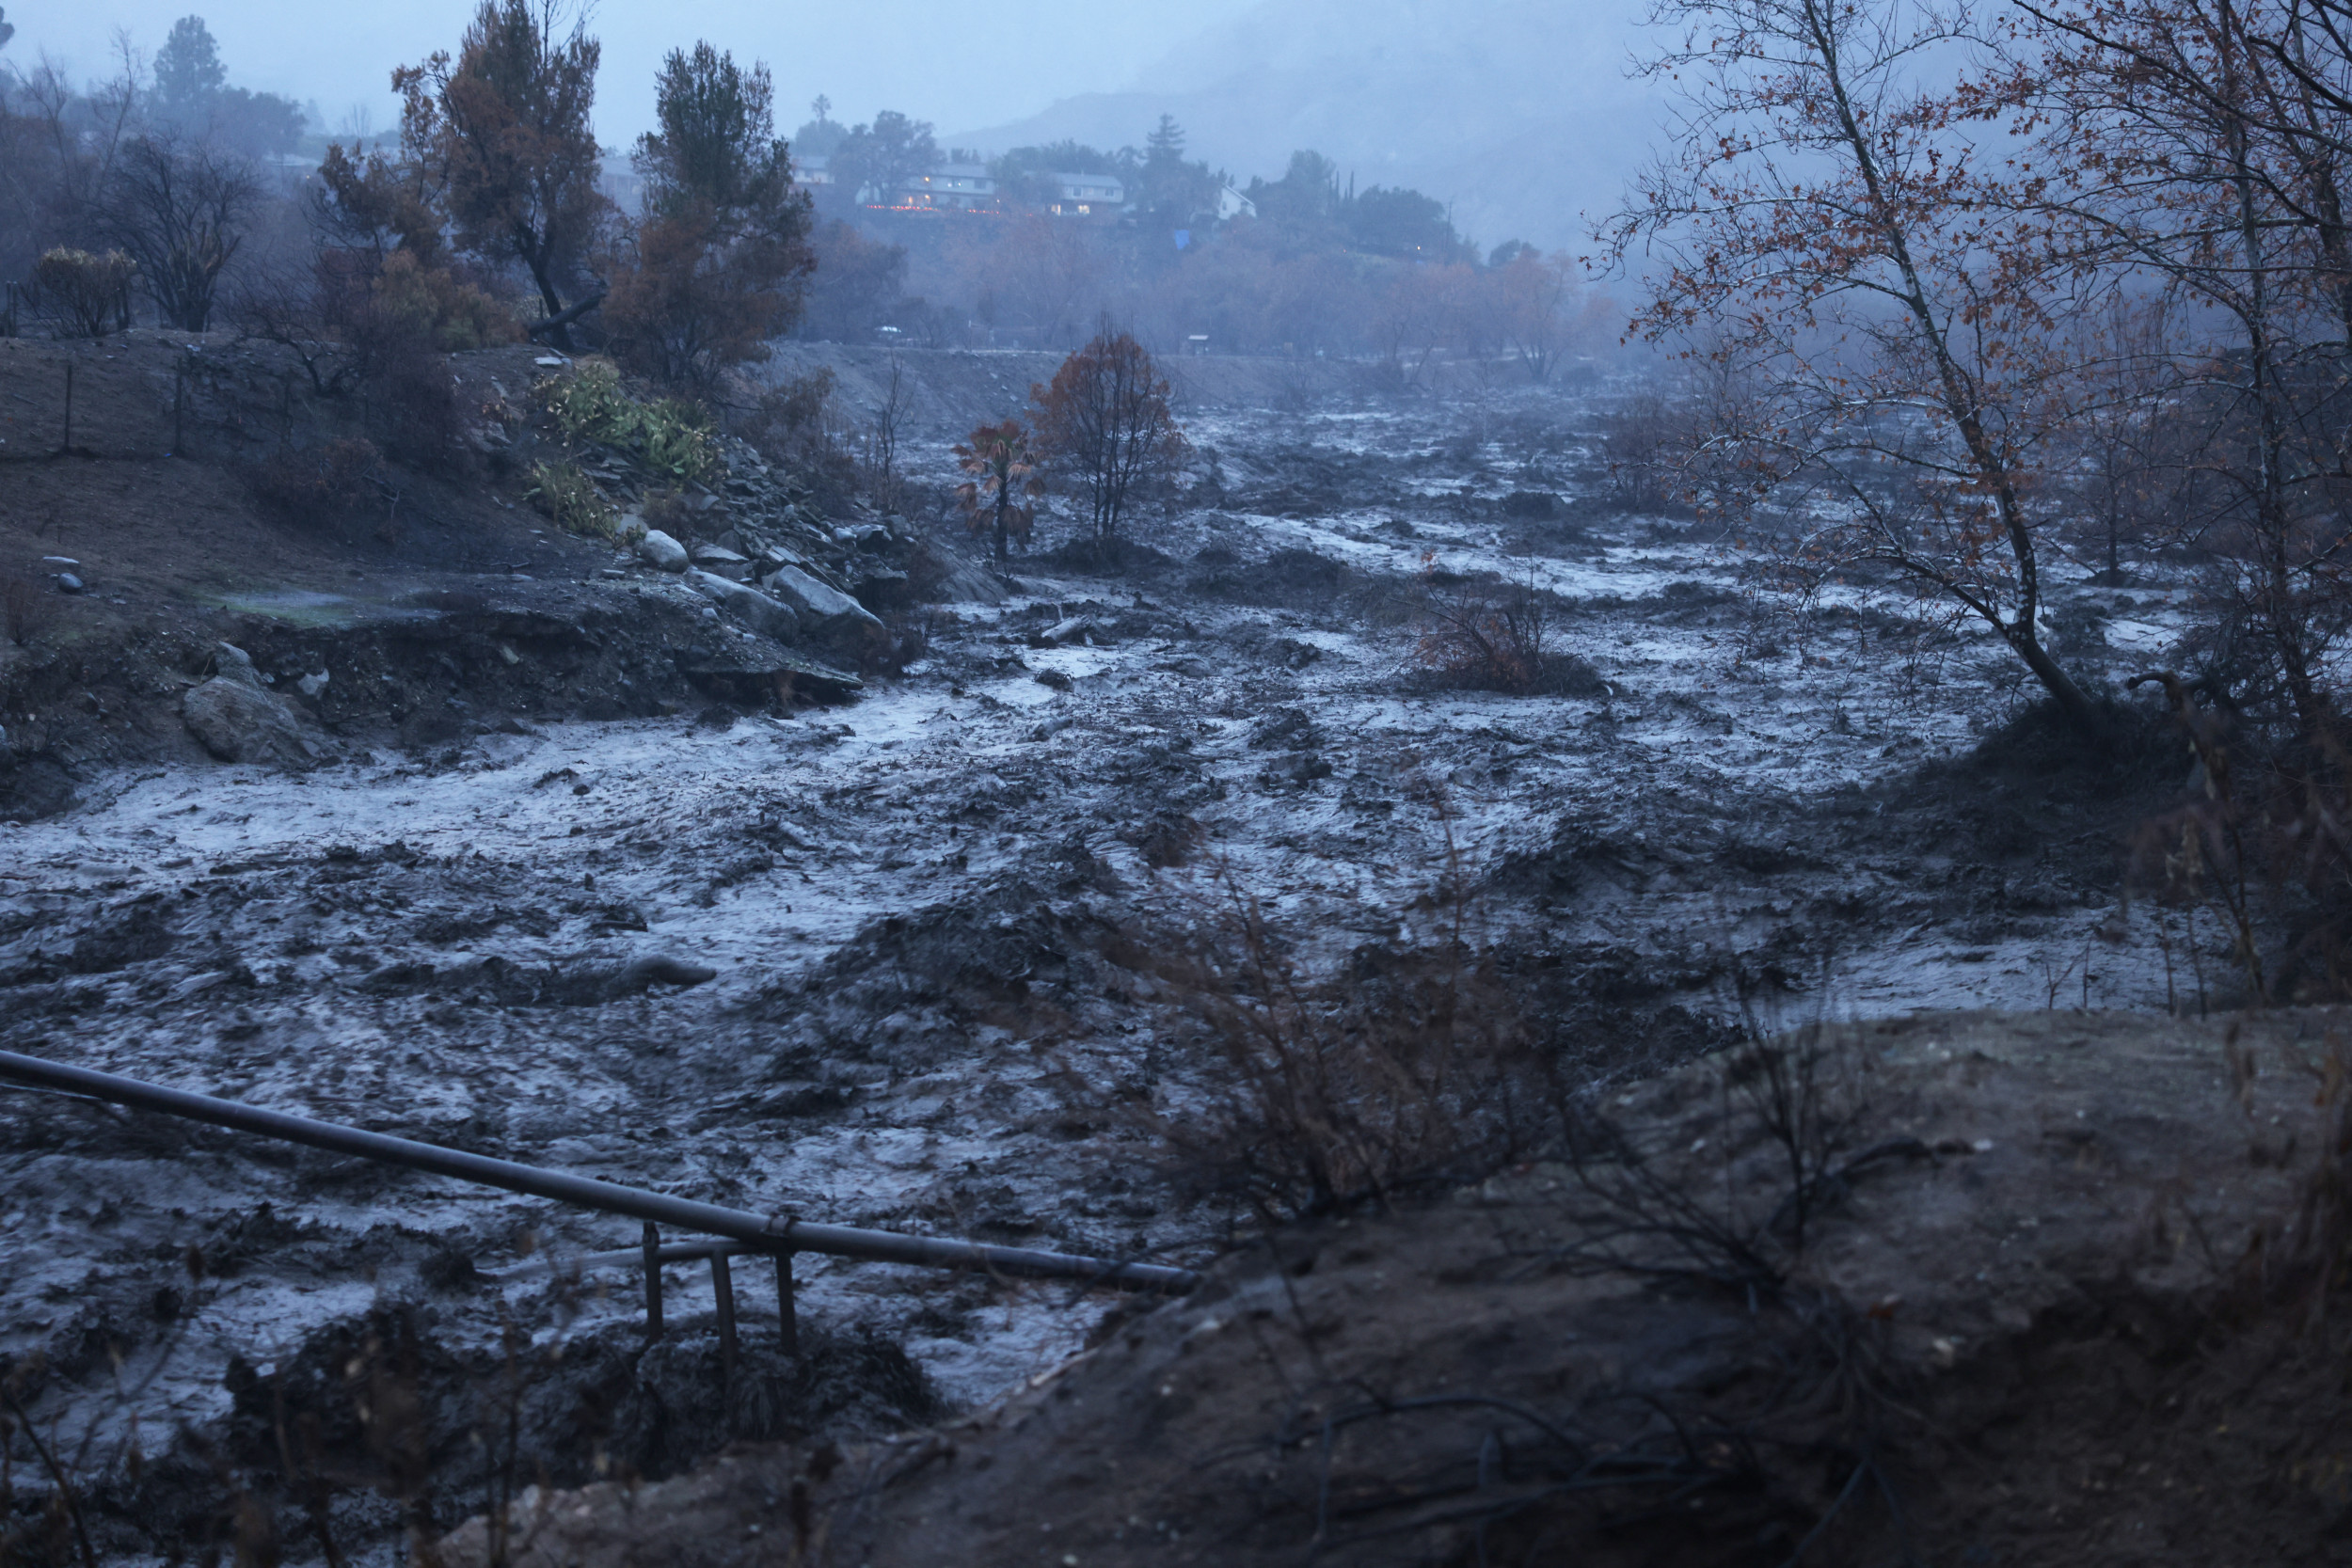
<point>826,609</point>
<point>755,609</point>
<point>237,718</point>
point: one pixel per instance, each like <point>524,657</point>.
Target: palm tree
<point>1000,456</point>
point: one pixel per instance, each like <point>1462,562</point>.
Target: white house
<point>956,189</point>
<point>1232,203</point>
<point>1085,196</point>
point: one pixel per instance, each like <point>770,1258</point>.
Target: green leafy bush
<point>671,436</point>
<point>571,499</point>
<point>678,440</point>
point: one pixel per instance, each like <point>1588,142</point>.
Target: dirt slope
<point>2019,1332</point>
<point>164,474</point>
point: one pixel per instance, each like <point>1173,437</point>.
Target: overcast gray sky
<point>948,61</point>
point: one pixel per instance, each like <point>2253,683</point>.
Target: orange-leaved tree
<point>1105,422</point>
<point>505,130</point>
<point>1837,231</point>
<point>1003,466</point>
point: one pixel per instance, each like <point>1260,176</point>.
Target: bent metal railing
<point>778,1236</point>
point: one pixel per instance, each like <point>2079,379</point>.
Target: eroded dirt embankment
<point>2057,1298</point>
<point>385,568</point>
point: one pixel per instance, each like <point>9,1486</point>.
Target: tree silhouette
<point>187,69</point>
<point>1105,418</point>
<point>717,265</point>
<point>885,155</point>
<point>506,125</point>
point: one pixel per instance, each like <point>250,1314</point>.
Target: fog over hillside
<point>343,58</point>
<point>1522,114</point>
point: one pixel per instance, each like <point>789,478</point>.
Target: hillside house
<point>956,189</point>
<point>1087,196</point>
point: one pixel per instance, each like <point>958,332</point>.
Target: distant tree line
<point>1305,264</point>
<point>484,222</point>
<point>167,193</point>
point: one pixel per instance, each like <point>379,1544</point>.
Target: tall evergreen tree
<point>718,264</point>
<point>189,73</point>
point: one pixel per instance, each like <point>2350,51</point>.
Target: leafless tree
<point>180,211</point>
<point>1105,421</point>
<point>890,418</point>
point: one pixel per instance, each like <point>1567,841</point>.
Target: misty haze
<point>1381,784</point>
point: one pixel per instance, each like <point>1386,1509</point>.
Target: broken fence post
<point>722,1284</point>
<point>653,1282</point>
<point>788,1310</point>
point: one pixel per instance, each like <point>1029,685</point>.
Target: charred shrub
<point>1643,441</point>
<point>410,408</point>
<point>332,485</point>
<point>906,637</point>
<point>667,511</point>
<point>1484,633</point>
<point>85,296</point>
<point>26,609</point>
<point>1322,1092</point>
<point>795,425</point>
<point>928,572</point>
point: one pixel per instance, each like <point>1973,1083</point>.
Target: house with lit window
<point>956,189</point>
<point>1087,196</point>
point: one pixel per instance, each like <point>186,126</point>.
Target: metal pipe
<point>765,1233</point>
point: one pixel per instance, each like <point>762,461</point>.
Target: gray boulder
<point>238,721</point>
<point>822,606</point>
<point>750,605</point>
<point>233,664</point>
<point>661,553</point>
<point>968,583</point>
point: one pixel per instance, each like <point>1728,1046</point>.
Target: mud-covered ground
<point>925,910</point>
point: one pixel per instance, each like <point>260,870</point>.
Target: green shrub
<point>672,435</point>
<point>588,404</point>
<point>678,440</point>
<point>571,499</point>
